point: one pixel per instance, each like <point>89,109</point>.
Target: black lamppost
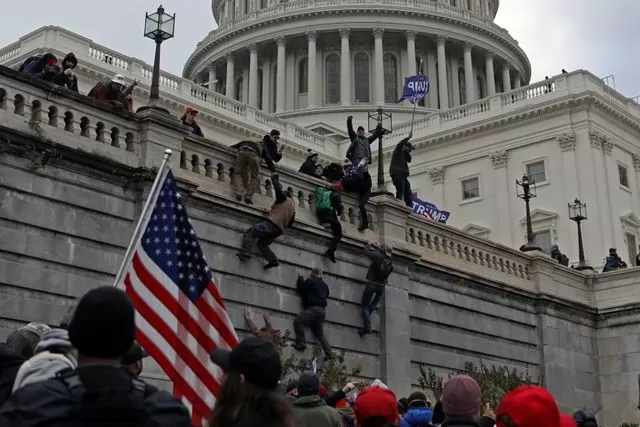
<point>376,118</point>
<point>158,26</point>
<point>526,190</point>
<point>578,213</point>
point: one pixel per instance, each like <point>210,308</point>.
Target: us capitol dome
<point>315,61</point>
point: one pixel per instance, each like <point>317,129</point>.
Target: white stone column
<point>432,72</point>
<point>253,75</point>
<point>503,196</point>
<point>517,80</point>
<point>506,77</point>
<point>280,75</point>
<point>378,66</point>
<point>345,67</point>
<point>491,75</point>
<point>231,77</point>
<point>455,65</point>
<point>469,74</point>
<point>212,78</point>
<point>442,73</point>
<point>312,73</point>
<point>266,85</point>
<point>411,53</point>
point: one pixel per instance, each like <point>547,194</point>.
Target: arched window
<point>263,4</point>
<point>303,76</point>
<point>479,88</point>
<point>260,84</point>
<point>361,76</point>
<point>333,79</point>
<point>390,78</point>
<point>421,68</point>
<point>463,86</point>
<point>239,89</point>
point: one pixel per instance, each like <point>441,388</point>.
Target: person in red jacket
<point>114,92</point>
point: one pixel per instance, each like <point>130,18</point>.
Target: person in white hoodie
<point>53,354</point>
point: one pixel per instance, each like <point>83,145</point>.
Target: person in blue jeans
<point>377,275</point>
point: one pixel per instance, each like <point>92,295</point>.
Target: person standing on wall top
<point>360,147</point>
<point>314,293</point>
<point>377,275</point>
<point>329,208</point>
<point>310,165</point>
<point>189,119</point>
<point>357,180</point>
<point>271,152</point>
<point>279,218</point>
<point>399,170</point>
<point>246,172</point>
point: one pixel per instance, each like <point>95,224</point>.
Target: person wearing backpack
<point>329,208</point>
<point>377,275</point>
<point>357,180</point>
<point>99,392</point>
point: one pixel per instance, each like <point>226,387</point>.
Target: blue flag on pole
<point>415,88</point>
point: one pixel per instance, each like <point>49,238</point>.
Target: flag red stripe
<point>213,290</point>
<point>211,315</point>
<point>163,329</point>
<point>184,317</point>
<point>198,404</point>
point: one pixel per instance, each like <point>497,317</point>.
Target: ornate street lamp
<point>526,190</point>
<point>578,213</point>
<point>158,26</point>
<point>384,119</point>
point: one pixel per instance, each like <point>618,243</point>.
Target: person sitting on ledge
<point>67,77</point>
<point>44,67</point>
<point>271,150</point>
<point>310,165</point>
<point>189,119</point>
<point>114,92</point>
<point>279,218</point>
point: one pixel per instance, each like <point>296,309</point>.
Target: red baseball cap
<point>567,421</point>
<point>192,110</point>
<point>377,402</point>
<point>528,406</point>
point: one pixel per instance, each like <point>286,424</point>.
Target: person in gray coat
<point>360,147</point>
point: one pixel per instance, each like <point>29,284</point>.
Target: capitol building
<point>303,66</point>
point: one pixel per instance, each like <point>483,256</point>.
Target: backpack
<point>105,407</point>
<point>383,269</point>
<point>323,199</point>
<point>28,61</point>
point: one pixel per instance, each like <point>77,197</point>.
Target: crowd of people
<point>86,372</point>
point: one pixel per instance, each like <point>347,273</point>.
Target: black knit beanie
<point>103,324</point>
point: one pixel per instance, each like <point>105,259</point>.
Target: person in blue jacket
<point>419,413</point>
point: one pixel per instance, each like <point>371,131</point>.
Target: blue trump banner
<point>430,211</point>
<point>415,88</point>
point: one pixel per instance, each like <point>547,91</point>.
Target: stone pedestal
<point>158,132</point>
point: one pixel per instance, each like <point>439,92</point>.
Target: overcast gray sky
<point>572,34</point>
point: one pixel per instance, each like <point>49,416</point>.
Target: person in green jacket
<point>309,408</point>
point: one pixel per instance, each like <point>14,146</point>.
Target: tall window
<point>333,79</point>
<point>632,248</point>
<point>462,84</point>
<point>247,6</point>
<point>263,4</point>
<point>361,76</point>
<point>240,90</point>
<point>260,84</point>
<point>536,171</point>
<point>390,78</point>
<point>303,76</point>
<point>623,176</point>
<point>421,68</point>
<point>470,189</point>
<point>479,88</point>
<point>542,240</point>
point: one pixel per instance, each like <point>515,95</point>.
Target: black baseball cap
<point>134,354</point>
<point>255,358</point>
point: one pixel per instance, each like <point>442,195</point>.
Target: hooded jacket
<point>400,159</point>
<point>360,147</point>
<point>417,417</point>
<point>10,363</point>
<point>270,153</point>
<point>53,355</point>
<point>283,211</point>
<point>70,83</point>
<point>312,411</point>
<point>308,167</point>
<point>313,292</point>
<point>377,256</point>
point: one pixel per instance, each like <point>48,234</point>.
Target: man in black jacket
<point>377,275</point>
<point>271,153</point>
<point>99,392</point>
<point>399,170</point>
<point>67,76</point>
<point>314,293</point>
<point>310,165</point>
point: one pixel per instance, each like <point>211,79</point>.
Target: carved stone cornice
<point>636,162</point>
<point>411,35</point>
<point>312,36</point>
<point>345,33</point>
<point>567,141</point>
<point>607,147</point>
<point>597,139</point>
<point>499,159</point>
<point>437,175</point>
<point>378,33</point>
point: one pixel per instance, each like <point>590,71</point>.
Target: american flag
<point>180,315</point>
